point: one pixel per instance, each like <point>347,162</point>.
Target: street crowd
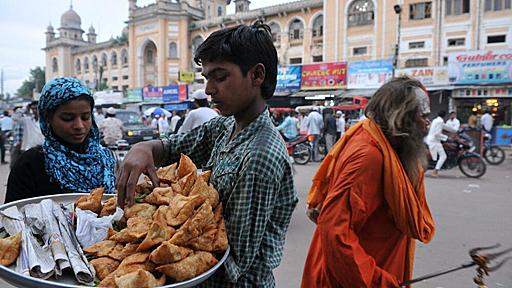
<point>367,198</point>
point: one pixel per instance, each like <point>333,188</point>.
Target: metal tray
<point>68,279</point>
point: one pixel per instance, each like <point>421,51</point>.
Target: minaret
<point>242,5</point>
<point>50,34</point>
<point>91,36</point>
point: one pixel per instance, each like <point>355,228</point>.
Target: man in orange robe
<point>368,196</point>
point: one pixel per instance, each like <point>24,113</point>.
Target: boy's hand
<point>138,160</point>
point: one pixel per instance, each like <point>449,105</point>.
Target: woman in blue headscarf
<point>71,159</point>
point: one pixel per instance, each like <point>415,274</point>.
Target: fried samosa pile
<point>171,235</point>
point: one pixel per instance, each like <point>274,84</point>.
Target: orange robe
<point>357,243</point>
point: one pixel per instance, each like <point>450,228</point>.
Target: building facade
<point>156,48</point>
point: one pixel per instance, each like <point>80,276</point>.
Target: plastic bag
<point>90,229</point>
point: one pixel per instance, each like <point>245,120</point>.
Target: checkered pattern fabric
<point>254,178</point>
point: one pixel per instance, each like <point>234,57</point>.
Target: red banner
<point>324,76</point>
<point>183,92</point>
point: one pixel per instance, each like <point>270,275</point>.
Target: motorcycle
<point>299,149</point>
<point>493,154</point>
<point>460,152</point>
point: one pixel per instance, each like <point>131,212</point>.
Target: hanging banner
<point>152,94</point>
<point>187,76</point>
<point>480,67</point>
<point>369,74</point>
<point>134,95</point>
<point>428,76</point>
<point>176,106</point>
<point>288,78</point>
<point>324,76</point>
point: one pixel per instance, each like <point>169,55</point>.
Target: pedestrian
<point>248,159</point>
<point>203,113</point>
<point>71,160</point>
<point>174,120</point>
<point>288,127</point>
<point>303,129</point>
<point>315,126</point>
<point>453,124</point>
<point>27,133</point>
<point>182,115</point>
<point>434,138</point>
<point>17,134</point>
<point>111,128</point>
<point>368,196</point>
<point>6,127</point>
<point>473,120</point>
<point>329,129</point>
<point>340,124</point>
<point>99,116</point>
<point>487,121</point>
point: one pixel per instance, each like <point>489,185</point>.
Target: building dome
<point>91,30</point>
<point>70,19</point>
<point>49,28</point>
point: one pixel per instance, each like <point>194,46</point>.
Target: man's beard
<point>412,153</point>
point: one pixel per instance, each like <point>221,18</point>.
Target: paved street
<point>468,213</point>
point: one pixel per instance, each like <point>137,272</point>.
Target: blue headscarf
<point>74,172</point>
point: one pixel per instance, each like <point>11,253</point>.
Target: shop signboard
<point>288,78</point>
<point>176,106</point>
<point>428,76</point>
<point>170,93</point>
<point>324,76</point>
<point>152,94</point>
<point>369,74</point>
<point>182,92</point>
<point>134,95</point>
<point>480,67</point>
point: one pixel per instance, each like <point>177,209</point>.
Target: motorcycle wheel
<point>301,154</point>
<point>494,155</point>
<point>472,166</point>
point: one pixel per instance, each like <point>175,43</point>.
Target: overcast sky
<point>23,24</point>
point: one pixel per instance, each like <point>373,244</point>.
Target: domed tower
<point>214,8</point>
<point>50,34</point>
<point>70,25</point>
<point>91,36</point>
<point>242,5</point>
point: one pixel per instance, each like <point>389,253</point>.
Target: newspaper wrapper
<point>33,259</point>
<point>90,229</point>
<point>84,273</point>
<point>43,223</point>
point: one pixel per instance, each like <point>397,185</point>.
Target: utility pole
<point>398,11</point>
<point>2,84</point>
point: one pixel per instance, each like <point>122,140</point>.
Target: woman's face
<point>72,121</point>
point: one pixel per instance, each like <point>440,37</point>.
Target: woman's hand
<point>140,159</point>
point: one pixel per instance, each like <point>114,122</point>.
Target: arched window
<point>196,42</point>
<point>94,63</point>
<point>318,26</point>
<point>276,32</point>
<point>360,13</point>
<point>124,57</point>
<point>104,61</point>
<point>113,58</point>
<point>86,64</point>
<point>55,65</point>
<point>173,50</point>
<point>219,11</point>
<point>296,30</point>
<point>149,56</point>
<point>78,66</point>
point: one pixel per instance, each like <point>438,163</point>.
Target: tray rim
<point>18,278</point>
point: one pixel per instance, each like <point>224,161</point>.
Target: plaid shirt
<point>254,178</point>
<point>18,132</point>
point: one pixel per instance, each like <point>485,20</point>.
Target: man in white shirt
<point>487,121</point>
<point>434,138</point>
<point>315,126</point>
<point>340,124</point>
<point>453,124</point>
<point>174,120</point>
<point>200,115</point>
<point>111,128</point>
<point>6,127</point>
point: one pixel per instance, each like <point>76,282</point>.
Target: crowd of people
<point>367,198</point>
